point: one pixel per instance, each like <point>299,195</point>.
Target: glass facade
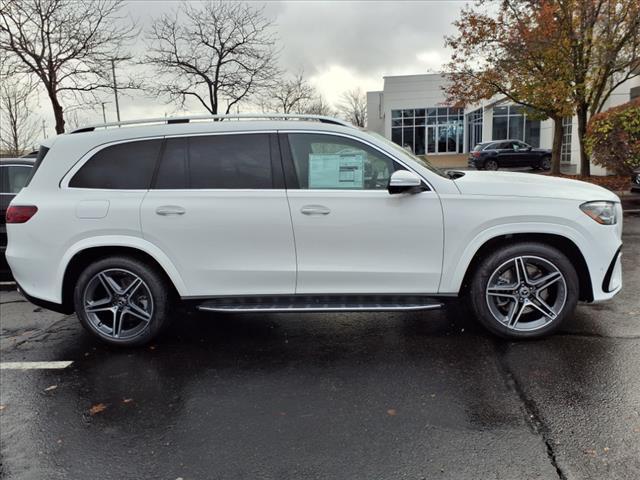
<point>511,122</point>
<point>565,151</point>
<point>428,130</point>
<point>474,128</point>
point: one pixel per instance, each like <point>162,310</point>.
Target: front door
<point>219,211</point>
<point>351,235</point>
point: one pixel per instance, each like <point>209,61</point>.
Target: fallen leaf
<point>152,347</point>
<point>97,408</point>
<point>391,412</point>
<point>52,387</point>
<point>127,400</point>
<point>2,407</point>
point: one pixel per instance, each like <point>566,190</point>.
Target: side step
<point>320,303</point>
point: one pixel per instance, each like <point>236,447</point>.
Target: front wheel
<point>122,301</point>
<point>524,291</point>
<point>545,164</point>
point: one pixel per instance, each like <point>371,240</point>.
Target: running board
<point>356,303</point>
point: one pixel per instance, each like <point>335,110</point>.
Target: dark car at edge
<point>635,181</point>
<point>14,174</point>
<point>508,153</point>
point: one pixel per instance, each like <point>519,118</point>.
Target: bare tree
<point>66,44</point>
<point>18,127</point>
<point>354,106</point>
<point>290,96</point>
<point>319,106</point>
<point>214,53</point>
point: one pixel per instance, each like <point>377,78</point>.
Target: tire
<point>491,164</point>
<point>499,300</point>
<point>545,164</point>
<point>122,301</point>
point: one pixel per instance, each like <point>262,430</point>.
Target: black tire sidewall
<point>151,277</point>
<point>490,161</point>
<point>488,265</point>
<point>543,166</point>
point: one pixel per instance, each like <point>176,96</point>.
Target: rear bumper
<point>56,307</point>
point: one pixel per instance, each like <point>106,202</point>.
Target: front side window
<point>125,166</point>
<point>240,161</point>
<point>339,163</point>
<point>14,177</point>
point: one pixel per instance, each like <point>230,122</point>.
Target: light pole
<point>104,115</point>
<point>115,88</point>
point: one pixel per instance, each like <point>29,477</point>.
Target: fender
<point>120,241</point>
<point>452,277</point>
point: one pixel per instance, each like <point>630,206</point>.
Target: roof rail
<point>201,118</point>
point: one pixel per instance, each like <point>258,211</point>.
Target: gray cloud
<point>339,44</point>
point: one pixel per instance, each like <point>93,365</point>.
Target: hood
<point>514,184</point>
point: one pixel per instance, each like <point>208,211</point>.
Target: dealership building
<point>411,110</point>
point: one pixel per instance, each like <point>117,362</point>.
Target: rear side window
<point>14,177</point>
<point>240,161</point>
<point>126,166</point>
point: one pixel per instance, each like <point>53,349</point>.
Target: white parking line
<point>33,365</point>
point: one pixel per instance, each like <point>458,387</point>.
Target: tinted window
<point>42,152</point>
<point>126,166</point>
<point>14,177</point>
<point>336,163</point>
<point>216,161</point>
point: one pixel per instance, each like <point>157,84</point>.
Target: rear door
<point>218,209</point>
<point>505,154</point>
<point>352,236</point>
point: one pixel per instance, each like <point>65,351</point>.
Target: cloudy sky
<point>339,44</point>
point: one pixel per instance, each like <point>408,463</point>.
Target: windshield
<point>407,154</point>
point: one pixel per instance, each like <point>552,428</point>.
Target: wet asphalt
<point>319,396</point>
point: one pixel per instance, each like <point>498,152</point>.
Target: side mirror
<point>404,181</point>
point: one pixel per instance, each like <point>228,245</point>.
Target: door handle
<point>170,210</point>
<point>315,210</point>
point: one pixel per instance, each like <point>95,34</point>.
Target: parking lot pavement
<point>385,396</point>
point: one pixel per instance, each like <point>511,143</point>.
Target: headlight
<point>602,212</point>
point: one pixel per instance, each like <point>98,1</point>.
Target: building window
<point>428,130</point>
<point>511,122</point>
<point>474,120</point>
<point>565,151</point>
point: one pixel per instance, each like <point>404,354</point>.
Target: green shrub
<point>613,138</point>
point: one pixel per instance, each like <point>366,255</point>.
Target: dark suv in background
<point>635,181</point>
<point>509,153</point>
<point>14,173</point>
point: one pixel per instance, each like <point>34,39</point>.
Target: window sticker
<point>336,170</point>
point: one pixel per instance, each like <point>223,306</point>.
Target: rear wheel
<point>524,291</point>
<point>122,301</point>
<point>491,164</point>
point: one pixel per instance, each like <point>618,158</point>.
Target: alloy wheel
<point>526,293</point>
<point>491,165</point>
<point>118,303</point>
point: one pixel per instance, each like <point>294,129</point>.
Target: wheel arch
<point>81,257</point>
<point>562,243</point>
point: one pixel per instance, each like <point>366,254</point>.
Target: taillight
<point>475,154</point>
<point>20,213</point>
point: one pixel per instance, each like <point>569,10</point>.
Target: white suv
<point>298,214</point>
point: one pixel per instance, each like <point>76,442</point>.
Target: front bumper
<point>612,282</point>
